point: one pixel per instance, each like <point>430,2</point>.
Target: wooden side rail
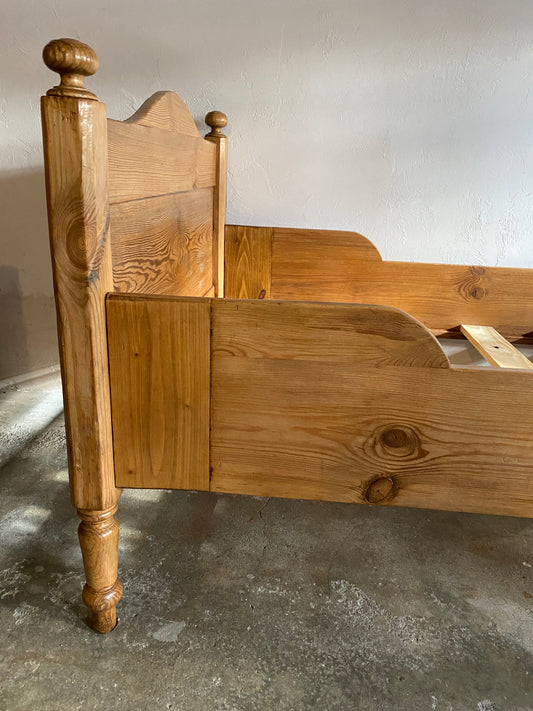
<point>320,401</point>
<point>495,348</point>
<point>321,265</point>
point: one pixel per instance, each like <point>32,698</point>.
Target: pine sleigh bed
<point>258,360</point>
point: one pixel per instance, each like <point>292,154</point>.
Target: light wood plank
<point>336,333</point>
<point>163,244</point>
<point>423,437</point>
<point>159,369</point>
<point>247,262</point>
<point>495,348</point>
<point>145,162</point>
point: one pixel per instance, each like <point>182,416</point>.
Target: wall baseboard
<point>25,378</point>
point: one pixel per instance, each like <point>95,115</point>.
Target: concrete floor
<point>244,603</point>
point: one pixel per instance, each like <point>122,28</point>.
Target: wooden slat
<point>347,333</point>
<point>437,438</point>
<point>495,348</point>
<point>441,296</point>
<point>247,262</point>
<point>163,244</point>
<point>159,370</point>
<point>145,162</point>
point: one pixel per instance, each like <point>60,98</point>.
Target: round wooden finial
<point>72,60</point>
<point>216,121</point>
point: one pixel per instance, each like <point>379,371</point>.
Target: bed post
<point>75,149</point>
<point>216,121</point>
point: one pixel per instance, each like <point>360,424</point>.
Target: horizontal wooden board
<point>249,250</point>
<point>422,437</point>
<point>159,374</point>
<point>163,245</point>
<point>146,161</point>
<point>349,333</point>
<point>441,296</point>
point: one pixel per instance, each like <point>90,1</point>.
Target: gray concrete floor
<point>234,603</point>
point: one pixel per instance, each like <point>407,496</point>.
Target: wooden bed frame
<point>272,390</point>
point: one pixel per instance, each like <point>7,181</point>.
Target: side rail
<point>322,265</point>
<point>336,402</point>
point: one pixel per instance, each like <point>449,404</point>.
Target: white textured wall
<point>408,120</point>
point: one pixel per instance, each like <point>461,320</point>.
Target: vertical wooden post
<point>75,148</point>
<point>216,120</point>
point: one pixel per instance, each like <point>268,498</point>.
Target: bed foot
<point>98,534</point>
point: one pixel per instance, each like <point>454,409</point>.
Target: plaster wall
<point>410,121</point>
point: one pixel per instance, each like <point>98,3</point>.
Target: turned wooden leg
<point>98,534</point>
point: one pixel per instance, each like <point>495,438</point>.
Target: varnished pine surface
<point>159,359</point>
<point>167,111</point>
<point>319,265</point>
<point>424,437</point>
<point>74,132</point>
<point>147,162</point>
<point>329,402</point>
<point>163,244</point>
<point>247,262</point>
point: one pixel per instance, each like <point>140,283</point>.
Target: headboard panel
<point>163,181</point>
<point>163,245</point>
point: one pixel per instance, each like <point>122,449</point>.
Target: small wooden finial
<point>72,60</point>
<point>216,121</point>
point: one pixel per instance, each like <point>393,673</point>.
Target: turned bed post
<point>216,120</point>
<point>75,147</point>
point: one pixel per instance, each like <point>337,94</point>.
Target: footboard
<point>339,402</point>
<point>325,265</point>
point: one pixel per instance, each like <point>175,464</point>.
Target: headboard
<point>162,182</point>
<point>165,188</point>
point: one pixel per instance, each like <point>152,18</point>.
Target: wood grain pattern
<point>164,244</point>
<point>166,110</point>
<point>441,296</point>
<point>335,333</point>
<point>159,369</point>
<point>75,158</point>
<point>247,262</point>
<point>145,162</point>
<point>72,60</point>
<point>74,137</point>
<point>495,348</point>
<point>98,536</point>
<point>437,438</point>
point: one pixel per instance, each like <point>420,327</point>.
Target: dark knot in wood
<point>380,490</point>
<point>472,287</point>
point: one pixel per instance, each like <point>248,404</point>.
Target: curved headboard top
<point>161,183</point>
<point>166,110</point>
